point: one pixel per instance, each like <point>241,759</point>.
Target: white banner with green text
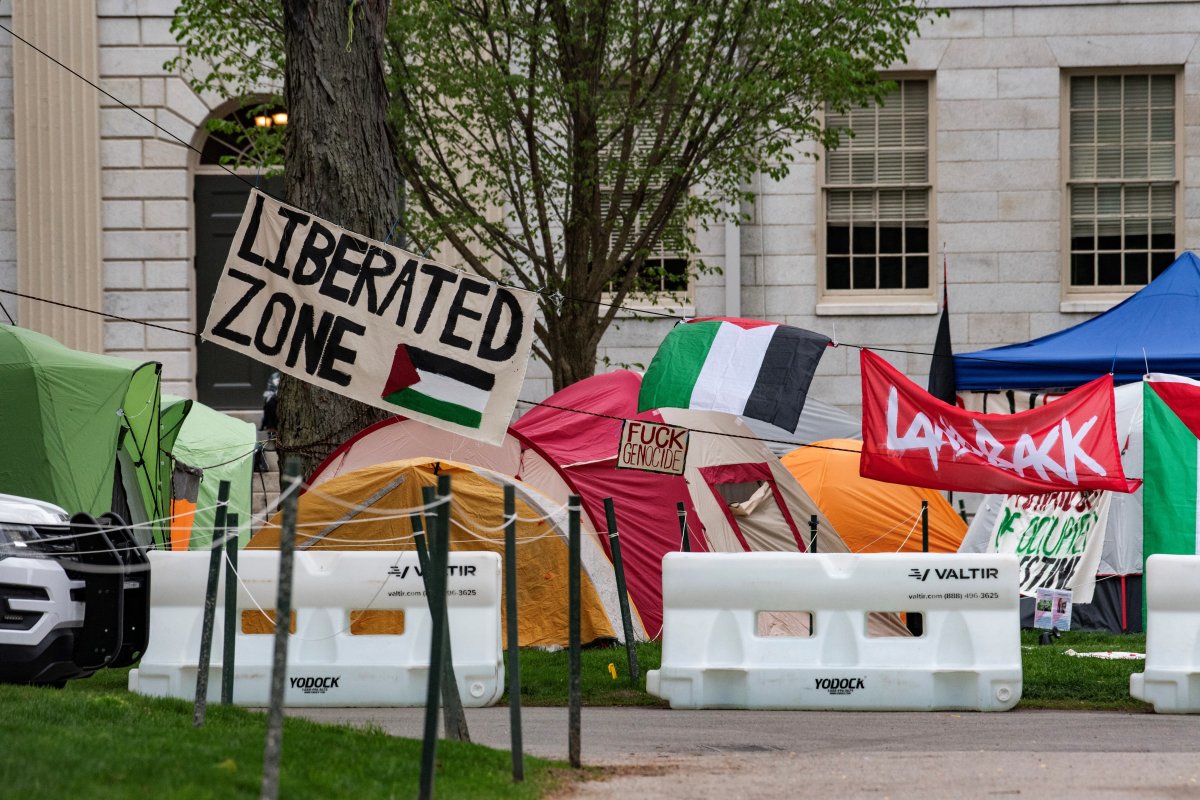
<point>1057,537</point>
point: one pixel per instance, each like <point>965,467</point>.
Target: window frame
<point>681,303</point>
<point>1084,299</point>
<point>678,302</point>
<point>881,302</point>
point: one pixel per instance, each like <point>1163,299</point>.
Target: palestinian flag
<point>437,386</point>
<point>756,369</point>
<point>1171,444</point>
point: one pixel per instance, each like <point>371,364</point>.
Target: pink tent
<point>584,448</point>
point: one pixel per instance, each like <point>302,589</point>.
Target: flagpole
<point>945,280</point>
<point>941,366</point>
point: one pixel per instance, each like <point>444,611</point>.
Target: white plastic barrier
<point>969,656</point>
<point>1171,681</point>
<point>328,664</point>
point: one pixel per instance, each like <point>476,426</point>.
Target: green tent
<point>81,430</point>
<point>220,445</point>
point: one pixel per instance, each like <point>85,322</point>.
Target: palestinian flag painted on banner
<point>757,369</point>
<point>1171,456</point>
<point>438,386</point>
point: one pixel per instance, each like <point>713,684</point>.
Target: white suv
<point>74,593</point>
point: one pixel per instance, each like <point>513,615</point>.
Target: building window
<point>877,195</point>
<point>664,279</point>
<point>1123,179</point>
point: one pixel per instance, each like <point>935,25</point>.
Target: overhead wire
<point>916,517</point>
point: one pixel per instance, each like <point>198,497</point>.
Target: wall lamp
<point>267,120</point>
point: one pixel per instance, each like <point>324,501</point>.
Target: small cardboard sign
<point>652,447</point>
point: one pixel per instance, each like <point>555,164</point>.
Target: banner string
<point>1049,366</point>
<point>119,102</point>
<point>556,296</point>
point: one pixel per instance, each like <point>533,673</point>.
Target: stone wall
<point>8,177</point>
<point>146,183</point>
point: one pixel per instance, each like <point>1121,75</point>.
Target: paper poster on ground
<point>372,322</point>
<point>1057,537</point>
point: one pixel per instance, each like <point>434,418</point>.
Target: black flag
<point>941,369</point>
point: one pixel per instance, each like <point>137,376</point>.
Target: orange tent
<point>872,516</point>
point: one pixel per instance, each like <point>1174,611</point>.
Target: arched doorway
<point>224,379</point>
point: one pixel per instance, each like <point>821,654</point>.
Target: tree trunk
<point>340,164</point>
<point>572,339</point>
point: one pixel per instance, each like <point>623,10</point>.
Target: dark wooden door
<point>224,379</point>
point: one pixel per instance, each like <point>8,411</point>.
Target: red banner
<point>910,437</point>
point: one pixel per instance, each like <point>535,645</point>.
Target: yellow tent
<point>872,516</point>
<point>366,509</point>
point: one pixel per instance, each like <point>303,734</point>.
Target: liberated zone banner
<point>1057,538</point>
<point>911,437</point>
<point>372,322</point>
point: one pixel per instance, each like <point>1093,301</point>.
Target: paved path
<point>779,754</point>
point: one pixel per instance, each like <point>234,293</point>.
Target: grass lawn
<point>1055,680</point>
<point>94,738</point>
<point>544,677</point>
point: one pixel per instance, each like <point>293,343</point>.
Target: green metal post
<point>435,594</point>
<point>614,543</point>
<point>813,525</point>
<point>924,526</point>
<point>228,659</point>
<point>452,707</point>
<point>574,687</point>
<point>273,751</point>
<point>685,545</point>
<point>210,607</point>
<point>453,718</point>
<point>514,647</point>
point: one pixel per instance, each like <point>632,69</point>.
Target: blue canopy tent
<point>1159,327</point>
<point>1155,330</point>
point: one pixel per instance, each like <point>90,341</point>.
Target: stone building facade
<point>1049,150</point>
